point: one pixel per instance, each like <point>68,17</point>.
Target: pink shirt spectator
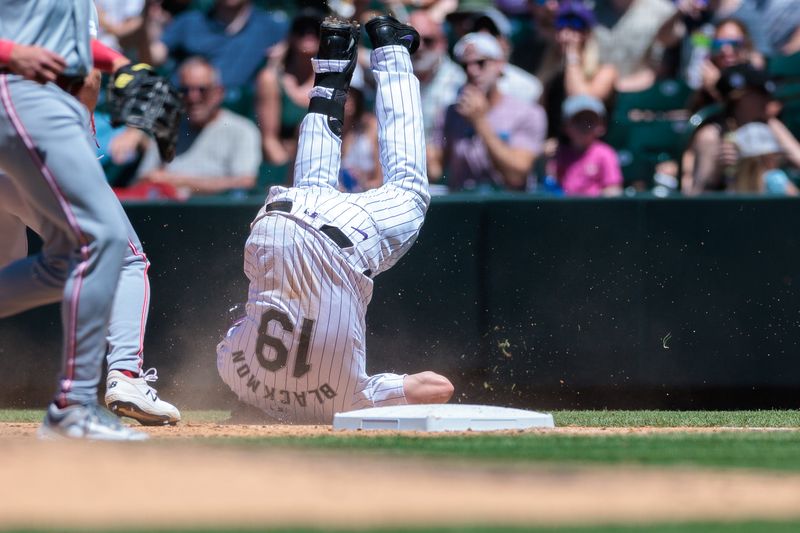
<point>587,173</point>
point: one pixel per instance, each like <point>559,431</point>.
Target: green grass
<point>766,419</point>
<point>700,527</point>
<point>772,450</point>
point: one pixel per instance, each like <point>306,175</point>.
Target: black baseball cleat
<point>388,31</point>
<point>338,40</point>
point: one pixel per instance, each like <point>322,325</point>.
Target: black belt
<point>334,233</point>
<point>69,84</point>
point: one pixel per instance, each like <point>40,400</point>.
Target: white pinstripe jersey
<point>300,352</point>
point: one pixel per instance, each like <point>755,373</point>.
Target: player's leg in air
<point>313,251</point>
<point>398,207</point>
<point>127,388</point>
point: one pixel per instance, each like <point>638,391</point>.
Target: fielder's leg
<point>128,390</point>
<point>319,146</point>
<point>85,235</point>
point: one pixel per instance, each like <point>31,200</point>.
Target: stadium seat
<point>786,72</point>
<point>784,67</point>
<point>269,175</point>
<point>241,100</point>
<point>647,127</point>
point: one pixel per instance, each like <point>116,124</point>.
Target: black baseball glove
<point>140,98</point>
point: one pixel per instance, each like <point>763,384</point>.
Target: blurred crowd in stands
<point>558,97</point>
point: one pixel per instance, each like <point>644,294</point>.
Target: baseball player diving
<point>91,258</point>
<point>312,254</point>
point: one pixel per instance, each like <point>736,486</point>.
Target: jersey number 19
<point>301,366</point>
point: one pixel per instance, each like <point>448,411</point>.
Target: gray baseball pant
<point>47,152</point>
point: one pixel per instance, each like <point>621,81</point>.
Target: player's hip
<point>294,389</point>
<point>315,249</point>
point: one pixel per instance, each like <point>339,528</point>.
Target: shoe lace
<point>150,375</point>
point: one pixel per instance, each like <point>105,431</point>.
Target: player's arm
<point>106,59</point>
<point>31,62</point>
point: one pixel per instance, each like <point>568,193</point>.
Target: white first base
<point>442,417</point>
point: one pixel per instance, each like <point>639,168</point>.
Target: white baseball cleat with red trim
<point>135,398</point>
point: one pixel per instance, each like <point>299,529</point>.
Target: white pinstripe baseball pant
<point>300,352</point>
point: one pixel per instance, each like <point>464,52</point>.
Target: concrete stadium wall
<point>522,301</point>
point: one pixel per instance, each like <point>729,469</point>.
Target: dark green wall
<point>524,301</point>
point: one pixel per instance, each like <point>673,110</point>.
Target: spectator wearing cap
<point>582,71</point>
<point>234,36</point>
<point>440,78</point>
<point>583,164</point>
<point>487,139</point>
<point>283,87</point>
<point>747,94</point>
<point>514,81</point>
<point>760,158</point>
<point>626,28</point>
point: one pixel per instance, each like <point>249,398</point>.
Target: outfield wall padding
<point>529,302</point>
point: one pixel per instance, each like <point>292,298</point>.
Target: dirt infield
<point>171,482</point>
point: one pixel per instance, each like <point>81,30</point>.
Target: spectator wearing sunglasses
<point>217,151</point>
<point>487,140</point>
<point>730,46</point>
<point>747,93</point>
<point>283,87</point>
